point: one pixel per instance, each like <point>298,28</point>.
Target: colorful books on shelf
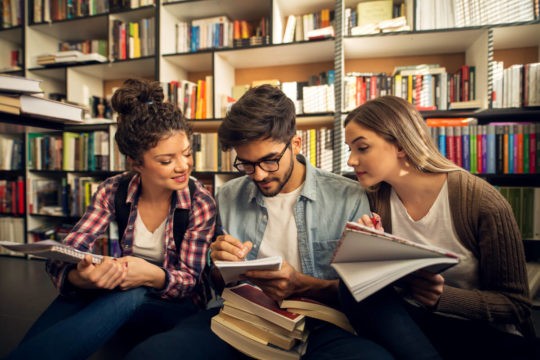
<point>368,260</point>
<point>231,270</point>
<point>317,310</point>
<point>51,249</point>
<point>18,84</point>
<point>254,324</point>
<point>41,107</point>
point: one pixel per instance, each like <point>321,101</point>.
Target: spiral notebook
<point>51,249</point>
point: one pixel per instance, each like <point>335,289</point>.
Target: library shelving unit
<point>227,66</point>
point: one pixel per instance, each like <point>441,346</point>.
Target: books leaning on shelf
<point>231,270</point>
<point>317,310</point>
<point>51,249</point>
<point>367,260</point>
<point>41,107</point>
<point>254,324</point>
<point>18,84</point>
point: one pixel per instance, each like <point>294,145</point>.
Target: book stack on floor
<point>19,96</point>
<point>254,324</point>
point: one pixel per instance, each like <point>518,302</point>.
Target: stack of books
<point>19,96</point>
<point>254,324</point>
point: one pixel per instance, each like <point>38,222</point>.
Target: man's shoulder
<point>335,180</point>
<point>235,187</point>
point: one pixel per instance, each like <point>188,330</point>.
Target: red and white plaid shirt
<point>183,269</point>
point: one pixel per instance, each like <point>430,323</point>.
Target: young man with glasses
<point>282,206</point>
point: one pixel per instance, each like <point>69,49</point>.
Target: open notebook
<point>51,249</point>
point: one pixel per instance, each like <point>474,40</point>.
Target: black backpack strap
<point>181,218</point>
<point>121,208</point>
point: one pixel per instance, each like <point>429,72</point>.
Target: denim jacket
<point>326,203</point>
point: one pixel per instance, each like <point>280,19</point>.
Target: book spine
<point>466,148</point>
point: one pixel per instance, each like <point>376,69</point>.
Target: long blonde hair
<point>397,121</point>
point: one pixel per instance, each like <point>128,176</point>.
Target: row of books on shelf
<point>446,14</point>
<point>496,148</point>
<point>69,57</point>
<point>516,86</point>
<point>317,147</point>
<point>61,197</point>
<point>134,39</point>
<point>194,99</point>
<point>525,202</point>
<point>11,152</point>
<point>310,26</point>
<point>11,229</point>
<point>12,196</point>
<point>429,87</point>
<point>371,17</point>
<point>220,32</point>
<point>10,13</point>
<point>57,10</point>
<point>69,151</point>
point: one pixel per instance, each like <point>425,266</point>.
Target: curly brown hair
<point>144,118</point>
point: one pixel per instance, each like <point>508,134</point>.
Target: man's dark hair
<point>143,117</point>
<point>263,112</point>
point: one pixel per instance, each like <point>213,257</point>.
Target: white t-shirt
<point>437,228</point>
<point>281,235</point>
<point>147,245</point>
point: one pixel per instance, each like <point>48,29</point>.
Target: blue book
<point>442,140</point>
<point>465,148</point>
<point>510,149</point>
<point>491,152</point>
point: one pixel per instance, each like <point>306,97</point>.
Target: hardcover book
<point>254,300</point>
<point>368,260</point>
<point>18,84</point>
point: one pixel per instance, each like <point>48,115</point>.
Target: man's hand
<point>228,248</point>
<point>278,284</point>
<point>107,275</point>
<point>425,287</point>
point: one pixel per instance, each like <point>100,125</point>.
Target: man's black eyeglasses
<point>248,167</point>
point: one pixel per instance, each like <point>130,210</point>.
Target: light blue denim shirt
<point>326,203</point>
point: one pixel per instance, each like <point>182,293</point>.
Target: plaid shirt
<point>183,269</point>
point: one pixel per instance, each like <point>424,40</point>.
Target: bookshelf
<point>224,66</point>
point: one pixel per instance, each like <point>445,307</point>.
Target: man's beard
<point>281,185</point>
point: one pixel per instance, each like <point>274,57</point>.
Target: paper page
<point>231,270</point>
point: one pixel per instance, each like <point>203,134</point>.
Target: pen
<point>374,220</point>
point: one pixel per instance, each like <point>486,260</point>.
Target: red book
<point>479,165</point>
<point>20,195</point>
<point>252,299</point>
<point>450,144</point>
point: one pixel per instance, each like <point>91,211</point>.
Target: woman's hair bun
<point>135,94</point>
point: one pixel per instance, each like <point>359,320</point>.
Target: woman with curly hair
<point>154,281</point>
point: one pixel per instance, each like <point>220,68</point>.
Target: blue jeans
<point>74,328</point>
<point>193,339</point>
<point>383,318</point>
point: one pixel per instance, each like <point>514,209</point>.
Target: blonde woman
<point>479,308</point>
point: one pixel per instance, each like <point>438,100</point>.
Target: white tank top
<point>437,228</point>
<point>147,245</point>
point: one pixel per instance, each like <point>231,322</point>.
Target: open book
<point>317,310</point>
<point>231,270</point>
<point>367,259</point>
<point>52,250</point>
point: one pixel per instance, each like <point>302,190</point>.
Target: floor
<point>25,291</point>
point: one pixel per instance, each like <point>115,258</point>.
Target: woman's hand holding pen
<point>373,222</point>
<point>228,248</point>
